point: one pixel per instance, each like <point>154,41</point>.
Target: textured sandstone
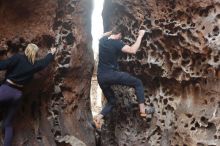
<point>178,63</point>
<point>56,105</point>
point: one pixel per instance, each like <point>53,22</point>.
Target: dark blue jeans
<point>12,97</point>
<point>108,78</point>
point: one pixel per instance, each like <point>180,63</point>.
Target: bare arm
<point>133,49</point>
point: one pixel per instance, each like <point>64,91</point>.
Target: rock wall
<point>56,108</point>
<point>178,62</point>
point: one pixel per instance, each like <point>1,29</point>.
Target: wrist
<point>141,36</point>
<point>110,32</point>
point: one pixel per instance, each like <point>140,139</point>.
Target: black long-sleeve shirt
<point>20,70</point>
<point>109,52</point>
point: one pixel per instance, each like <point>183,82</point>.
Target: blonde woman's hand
<point>53,50</point>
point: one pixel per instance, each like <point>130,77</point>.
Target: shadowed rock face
<point>56,105</point>
<point>178,62</point>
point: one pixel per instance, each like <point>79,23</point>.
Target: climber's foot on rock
<point>98,121</point>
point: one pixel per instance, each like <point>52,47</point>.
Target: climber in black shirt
<point>20,70</point>
<point>110,48</point>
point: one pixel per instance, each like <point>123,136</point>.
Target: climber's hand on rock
<point>141,32</point>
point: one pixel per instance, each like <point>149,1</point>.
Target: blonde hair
<point>31,51</point>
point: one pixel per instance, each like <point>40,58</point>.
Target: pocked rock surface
<point>178,62</point>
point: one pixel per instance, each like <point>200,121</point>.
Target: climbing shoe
<point>98,121</point>
<point>147,116</point>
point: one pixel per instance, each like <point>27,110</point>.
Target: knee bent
<point>138,82</point>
